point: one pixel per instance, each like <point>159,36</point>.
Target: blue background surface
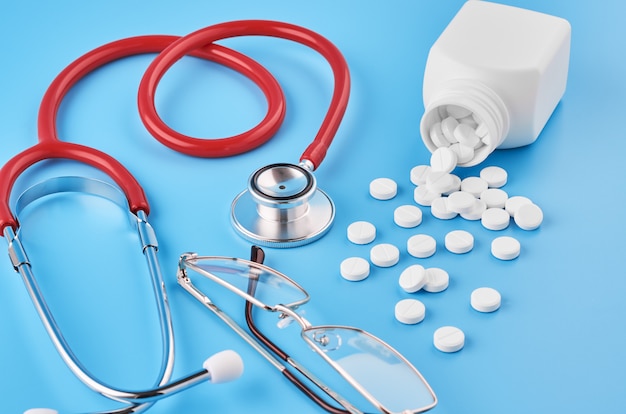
<point>558,343</point>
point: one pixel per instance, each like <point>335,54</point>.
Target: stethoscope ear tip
<point>223,366</point>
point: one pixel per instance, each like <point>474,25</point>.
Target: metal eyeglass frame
<point>316,337</point>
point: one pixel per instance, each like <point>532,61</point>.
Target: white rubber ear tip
<point>224,366</point>
<point>41,411</point>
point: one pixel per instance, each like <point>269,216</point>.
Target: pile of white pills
<point>473,198</point>
<point>480,198</point>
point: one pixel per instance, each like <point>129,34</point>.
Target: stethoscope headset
<point>282,206</point>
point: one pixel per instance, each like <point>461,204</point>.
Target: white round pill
<point>419,174</point>
<point>505,248</point>
<point>412,278</point>
<point>461,202</point>
<point>455,185</point>
<point>383,188</point>
<point>41,411</point>
<point>514,203</point>
<point>361,232</point>
<point>439,209</point>
<point>463,152</point>
<point>485,299</point>
<point>410,311</point>
<point>494,197</point>
<point>440,182</point>
<point>466,135</point>
<point>384,255</point>
<point>448,126</point>
<point>474,185</point>
<point>476,212</point>
<point>354,269</point>
<point>421,246</point>
<point>437,136</point>
<point>459,241</point>
<point>481,129</point>
<point>495,219</point>
<point>407,216</point>
<point>437,280</point>
<point>449,339</point>
<point>423,196</point>
<point>496,177</point>
<point>528,217</point>
<point>443,159</point>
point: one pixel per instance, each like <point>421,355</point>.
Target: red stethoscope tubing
<point>50,147</point>
<point>171,49</point>
<point>314,153</point>
<point>155,44</point>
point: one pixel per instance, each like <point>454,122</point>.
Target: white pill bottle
<point>500,69</point>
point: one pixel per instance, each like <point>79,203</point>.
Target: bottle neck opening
<point>466,116</point>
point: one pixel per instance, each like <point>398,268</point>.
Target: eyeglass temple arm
<point>258,255</point>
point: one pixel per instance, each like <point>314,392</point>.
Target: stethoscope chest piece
<point>282,207</point>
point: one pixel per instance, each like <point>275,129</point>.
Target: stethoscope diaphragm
<point>282,207</point>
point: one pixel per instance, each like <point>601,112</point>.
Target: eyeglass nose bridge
<point>290,312</point>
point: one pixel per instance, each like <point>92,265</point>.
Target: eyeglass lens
<point>380,370</point>
<point>271,288</point>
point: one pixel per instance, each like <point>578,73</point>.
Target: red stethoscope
<point>281,207</point>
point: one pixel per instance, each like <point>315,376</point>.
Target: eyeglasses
<point>379,373</point>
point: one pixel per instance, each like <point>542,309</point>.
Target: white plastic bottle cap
<point>495,219</point>
<point>461,202</point>
<point>421,246</point>
<point>485,299</point>
<point>354,269</point>
<point>383,188</point>
<point>439,208</point>
<point>494,197</point>
<point>361,232</point>
<point>437,280</point>
<point>423,196</point>
<point>443,159</point>
<point>384,255</point>
<point>410,311</point>
<point>407,216</point>
<point>419,174</point>
<point>505,248</point>
<point>496,177</point>
<point>412,278</point>
<point>528,217</point>
<point>459,241</point>
<point>449,339</point>
<point>514,203</point>
<point>224,366</point>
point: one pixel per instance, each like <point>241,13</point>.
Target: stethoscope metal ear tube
<point>149,246</point>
